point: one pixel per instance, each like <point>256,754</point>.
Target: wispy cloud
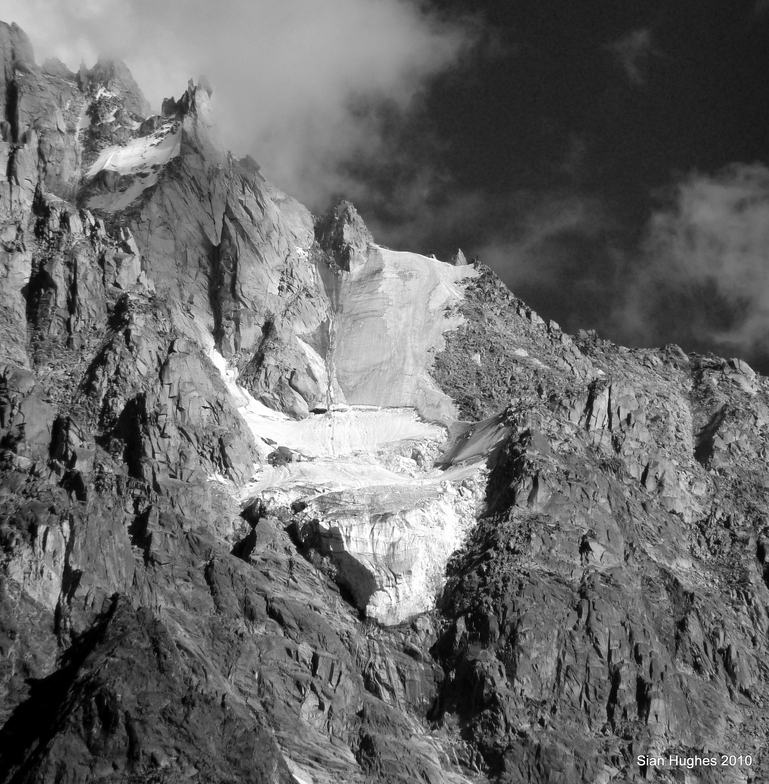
<point>633,53</point>
<point>561,254</point>
<point>288,75</point>
<point>704,271</point>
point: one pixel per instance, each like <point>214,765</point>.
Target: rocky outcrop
<point>596,613</point>
<point>343,235</point>
<point>278,504</point>
<point>113,76</point>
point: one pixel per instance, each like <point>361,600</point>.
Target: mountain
<point>279,504</point>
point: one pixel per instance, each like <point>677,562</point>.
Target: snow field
<point>139,154</point>
<point>364,471</point>
<point>392,313</point>
<point>140,158</point>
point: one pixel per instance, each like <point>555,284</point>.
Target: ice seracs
<point>370,502</point>
<point>363,480</point>
<point>390,543</point>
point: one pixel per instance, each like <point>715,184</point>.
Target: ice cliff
<point>278,504</point>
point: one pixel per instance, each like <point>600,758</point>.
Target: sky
<point>609,160</point>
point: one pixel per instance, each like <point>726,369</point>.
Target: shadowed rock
<point>344,236</point>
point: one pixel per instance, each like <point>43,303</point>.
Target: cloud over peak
<point>287,73</point>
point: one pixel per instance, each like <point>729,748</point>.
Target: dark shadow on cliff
<point>36,721</point>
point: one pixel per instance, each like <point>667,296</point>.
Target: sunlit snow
<point>139,154</point>
<point>393,311</point>
<point>366,472</point>
<point>140,159</point>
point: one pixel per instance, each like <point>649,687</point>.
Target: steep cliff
<point>278,504</point>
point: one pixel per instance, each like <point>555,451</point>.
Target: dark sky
<point>607,158</point>
<point>575,148</point>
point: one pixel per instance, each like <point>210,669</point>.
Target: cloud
<point>703,275</point>
<point>288,75</point>
<point>633,53</point>
<point>561,253</point>
<point>698,275</point>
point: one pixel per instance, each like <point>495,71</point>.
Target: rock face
<point>280,505</point>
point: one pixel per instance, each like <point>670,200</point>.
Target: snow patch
<point>298,773</point>
<point>343,430</point>
<point>84,120</point>
<point>119,200</point>
<point>140,155</point>
<point>139,161</point>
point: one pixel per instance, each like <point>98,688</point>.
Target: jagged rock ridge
<point>279,504</point>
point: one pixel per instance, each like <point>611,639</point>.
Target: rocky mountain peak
<point>342,233</point>
<point>54,67</point>
<point>17,54</point>
<point>16,48</point>
<point>115,77</point>
<point>204,83</point>
<point>189,101</point>
<point>280,505</point>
